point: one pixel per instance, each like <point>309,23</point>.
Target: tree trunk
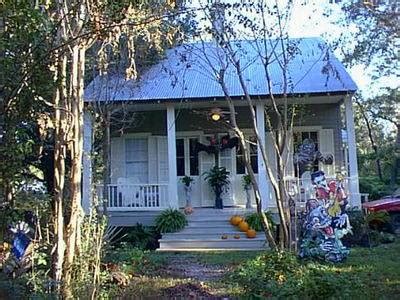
<point>76,148</point>
<point>266,225</point>
<point>106,158</point>
<point>59,165</point>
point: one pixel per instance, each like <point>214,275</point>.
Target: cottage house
<point>172,104</point>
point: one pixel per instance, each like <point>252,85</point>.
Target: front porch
<point>148,161</point>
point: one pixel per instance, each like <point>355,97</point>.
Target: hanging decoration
<point>215,146</point>
<point>307,154</point>
<point>326,221</point>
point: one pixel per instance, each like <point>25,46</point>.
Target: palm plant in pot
<point>218,179</point>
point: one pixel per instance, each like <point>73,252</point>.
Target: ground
<point>191,275</point>
<point>370,273</point>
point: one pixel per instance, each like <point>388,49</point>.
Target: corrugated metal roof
<point>190,72</point>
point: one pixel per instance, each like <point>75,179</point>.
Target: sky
<point>310,21</point>
<point>319,18</point>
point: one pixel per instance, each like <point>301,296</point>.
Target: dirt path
<point>187,266</point>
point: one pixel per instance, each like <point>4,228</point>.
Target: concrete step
<point>205,235</point>
<point>209,223</point>
<point>213,244</point>
<point>205,230</point>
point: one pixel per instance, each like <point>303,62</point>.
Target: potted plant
<point>246,180</point>
<point>187,184</point>
<point>218,179</point>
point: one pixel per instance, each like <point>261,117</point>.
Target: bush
<point>281,275</point>
<point>374,187</point>
<point>255,221</point>
<point>170,220</point>
<point>139,236</point>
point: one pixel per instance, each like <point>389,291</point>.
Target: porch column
<point>262,173</point>
<point>172,177</point>
<point>355,198</point>
<point>87,162</point>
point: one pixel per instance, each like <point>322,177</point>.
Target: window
<point>298,139</point>
<point>136,158</point>
<point>187,158</point>
<point>193,157</point>
<point>240,165</point>
<point>180,157</point>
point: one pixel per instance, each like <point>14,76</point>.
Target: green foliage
<point>373,187</point>
<point>246,181</point>
<point>217,178</point>
<point>139,236</point>
<point>170,220</point>
<point>187,180</point>
<point>281,275</point>
<point>255,220</point>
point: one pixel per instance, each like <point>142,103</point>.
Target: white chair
<point>129,192</point>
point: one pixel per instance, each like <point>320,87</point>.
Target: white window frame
<point>186,136</point>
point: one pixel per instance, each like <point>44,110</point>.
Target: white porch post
<point>87,162</point>
<point>355,198</point>
<point>262,173</point>
<point>172,177</point>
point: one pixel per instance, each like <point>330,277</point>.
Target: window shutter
<point>162,157</point>
<point>327,147</point>
<point>288,154</point>
<point>153,159</point>
<point>117,159</point>
<point>270,150</point>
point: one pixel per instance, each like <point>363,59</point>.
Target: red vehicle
<point>391,204</point>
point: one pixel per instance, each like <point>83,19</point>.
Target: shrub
<point>170,220</point>
<point>255,221</point>
<point>280,275</point>
<point>139,236</point>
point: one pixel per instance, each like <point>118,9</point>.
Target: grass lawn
<point>368,273</point>
<point>371,273</point>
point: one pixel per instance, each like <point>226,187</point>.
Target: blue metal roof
<point>190,72</point>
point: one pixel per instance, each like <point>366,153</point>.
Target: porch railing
<point>302,190</point>
<point>134,196</point>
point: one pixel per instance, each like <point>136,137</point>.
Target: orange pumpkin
<point>235,220</point>
<point>251,233</point>
<point>243,226</point>
<point>237,236</point>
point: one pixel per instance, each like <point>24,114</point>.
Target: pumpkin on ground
<point>251,233</point>
<point>243,226</point>
<point>235,220</point>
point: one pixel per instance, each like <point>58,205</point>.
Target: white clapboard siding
<point>162,158</point>
<point>327,147</point>
<point>117,159</point>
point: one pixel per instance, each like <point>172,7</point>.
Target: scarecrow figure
<point>326,221</point>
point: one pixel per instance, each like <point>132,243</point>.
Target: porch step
<point>204,231</point>
<point>201,235</point>
<point>212,244</point>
